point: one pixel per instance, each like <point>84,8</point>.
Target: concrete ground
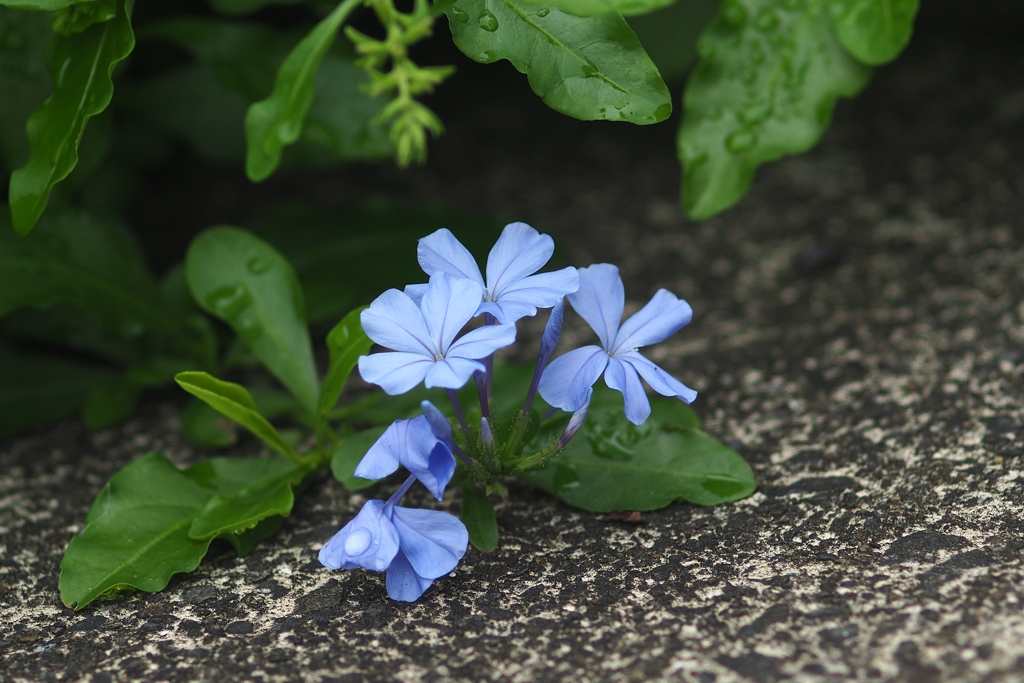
<point>858,336</point>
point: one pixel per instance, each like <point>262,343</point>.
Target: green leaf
<point>84,63</point>
<point>93,263</point>
<point>274,123</point>
<point>239,7</point>
<point>614,465</point>
<point>234,401</point>
<point>670,35</point>
<point>589,8</point>
<point>136,534</point>
<point>245,541</point>
<point>346,342</point>
<point>874,31</point>
<point>36,390</point>
<point>109,403</point>
<point>245,282</point>
<point>590,68</point>
<point>41,5</point>
<point>478,516</point>
<point>204,426</point>
<point>80,16</point>
<point>24,82</point>
<point>248,491</point>
<point>348,454</point>
<point>765,87</point>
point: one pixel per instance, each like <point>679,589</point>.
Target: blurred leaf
<point>109,403</point>
<point>345,342</point>
<point>248,490</point>
<point>245,541</point>
<point>275,122</point>
<point>589,8</point>
<point>90,262</point>
<point>614,465</point>
<point>84,63</point>
<point>67,326</point>
<point>348,454</point>
<point>202,425</point>
<point>590,68</point>
<point>347,260</point>
<point>37,390</point>
<point>234,401</point>
<point>765,87</point>
<point>41,5</point>
<point>874,31</point>
<point>136,533</point>
<point>670,35</point>
<point>80,16</point>
<point>245,282</point>
<point>24,82</point>
<point>478,516</point>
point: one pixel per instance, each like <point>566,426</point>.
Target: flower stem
<point>402,490</point>
<point>458,411</point>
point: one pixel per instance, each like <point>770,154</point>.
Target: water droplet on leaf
<point>543,12</point>
<point>460,15</point>
<point>228,302</point>
<point>488,21</point>
<point>741,141</point>
<point>257,265</point>
<point>589,71</point>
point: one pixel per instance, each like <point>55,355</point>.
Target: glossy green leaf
<point>614,465</point>
<point>24,82</point>
<point>248,491</point>
<point>589,8</point>
<point>81,15</point>
<point>109,403</point>
<point>478,516</point>
<point>202,425</point>
<point>670,35</point>
<point>235,402</point>
<point>93,263</point>
<point>348,454</point>
<point>346,342</point>
<point>136,533</point>
<point>36,390</point>
<point>82,65</point>
<point>245,282</point>
<point>245,541</point>
<point>590,68</point>
<point>41,5</point>
<point>874,31</point>
<point>274,123</point>
<point>765,87</point>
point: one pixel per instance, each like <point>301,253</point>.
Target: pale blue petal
<point>452,373</point>
<point>543,290</point>
<point>552,330</point>
<point>384,455</point>
<point>395,373</point>
<point>441,466</point>
<point>448,304</point>
<point>508,312</point>
<point>662,317</point>
<point>520,251</point>
<point>378,543</point>
<point>662,382</point>
<point>395,322</point>
<point>623,378</point>
<point>440,252</point>
<point>566,380</point>
<point>438,422</point>
<point>404,584</point>
<point>432,541</point>
<point>600,300</point>
<point>416,292</point>
<point>482,342</point>
<point>423,454</point>
<point>492,308</point>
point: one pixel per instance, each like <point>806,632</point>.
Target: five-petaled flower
<point>423,337</point>
<point>414,547</point>
<point>600,300</point>
<point>512,290</point>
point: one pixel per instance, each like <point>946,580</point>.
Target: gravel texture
<point>858,336</point>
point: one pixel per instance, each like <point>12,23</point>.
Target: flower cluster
<point>421,328</point>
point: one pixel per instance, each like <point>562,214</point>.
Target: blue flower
<point>414,547</point>
<point>423,445</point>
<point>600,301</point>
<point>423,337</point>
<point>511,291</point>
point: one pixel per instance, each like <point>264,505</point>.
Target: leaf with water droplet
<point>245,282</point>
<point>460,16</point>
<point>590,8</point>
<point>590,68</point>
<point>874,31</point>
<point>763,89</point>
<point>614,467</point>
<point>345,342</point>
<point>82,66</point>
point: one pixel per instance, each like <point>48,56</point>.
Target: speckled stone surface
<point>858,336</point>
